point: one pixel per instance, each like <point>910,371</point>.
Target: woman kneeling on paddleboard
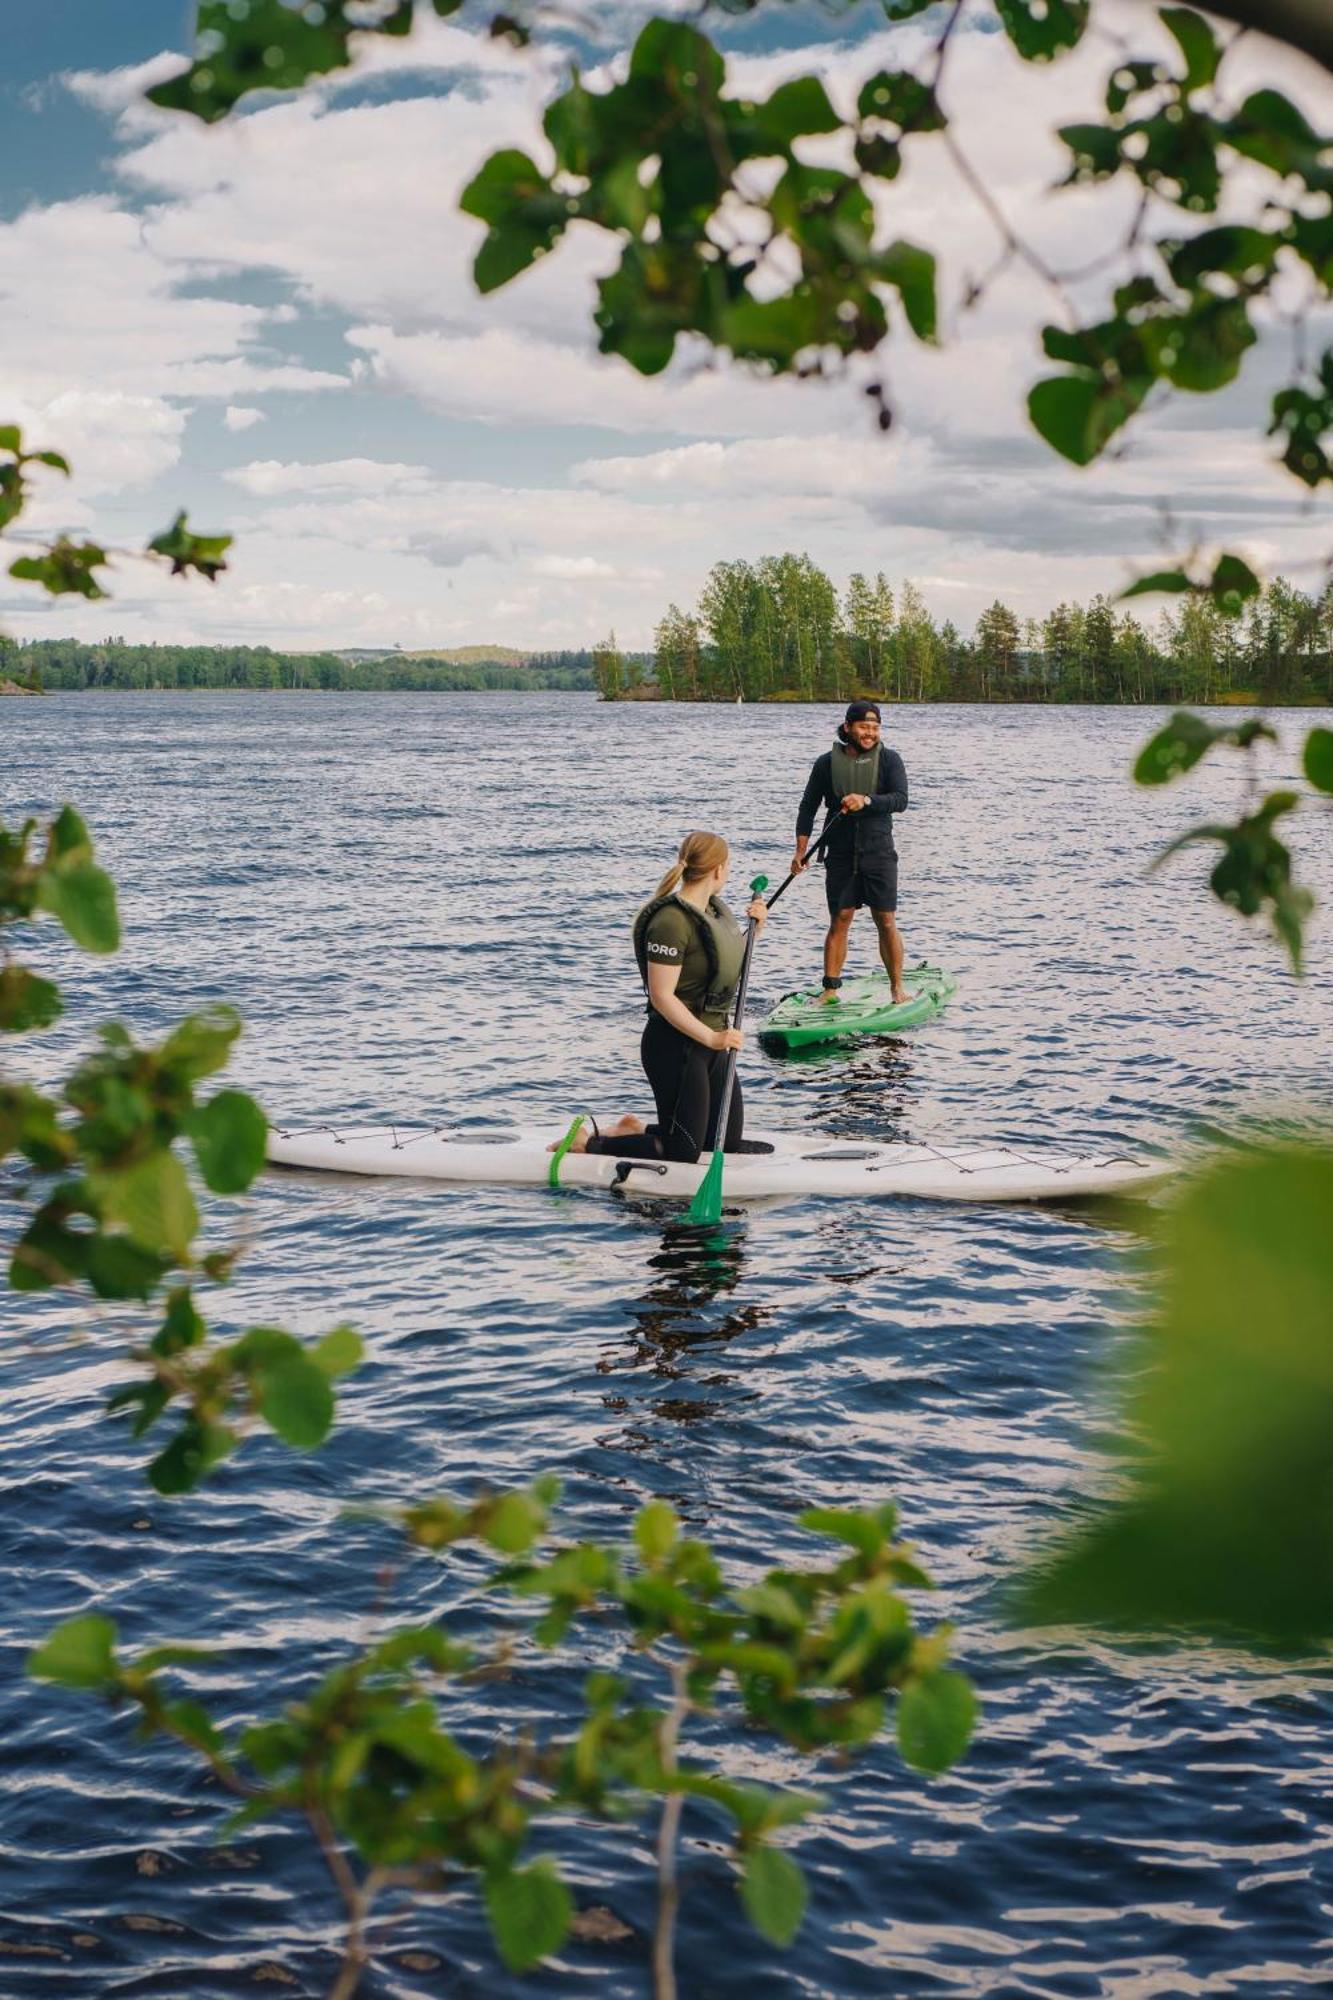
<point>689,948</point>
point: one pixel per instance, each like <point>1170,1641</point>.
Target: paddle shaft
<point>808,857</point>
<point>717,1136</point>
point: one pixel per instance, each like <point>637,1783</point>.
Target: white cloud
<point>573,567</point>
<point>85,304</point>
<point>269,478</point>
<point>506,377</point>
<point>237,418</point>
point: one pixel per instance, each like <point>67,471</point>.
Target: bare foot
<point>901,996</point>
<point>829,999</point>
<point>626,1127</point>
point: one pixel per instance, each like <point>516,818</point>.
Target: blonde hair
<point>700,854</point>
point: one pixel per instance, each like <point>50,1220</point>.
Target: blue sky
<point>271,322</point>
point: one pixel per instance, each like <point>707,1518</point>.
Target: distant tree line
<point>70,663</point>
<point>777,630</point>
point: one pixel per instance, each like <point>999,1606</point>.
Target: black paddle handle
<point>719,1121</point>
<point>809,856</point>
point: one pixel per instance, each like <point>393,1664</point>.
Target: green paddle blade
<point>707,1204</point>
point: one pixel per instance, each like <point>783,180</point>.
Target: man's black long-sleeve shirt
<point>858,835</point>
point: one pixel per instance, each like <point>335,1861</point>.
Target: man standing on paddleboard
<point>861,783</point>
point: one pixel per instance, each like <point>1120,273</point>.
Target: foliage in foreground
<point>1227,1524</point>
<point>730,238</point>
<point>366,1759</point>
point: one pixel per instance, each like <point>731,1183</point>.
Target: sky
<point>271,322</point>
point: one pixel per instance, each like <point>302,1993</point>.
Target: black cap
<point>858,711</point>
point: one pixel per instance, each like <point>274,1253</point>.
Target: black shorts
<point>874,883</point>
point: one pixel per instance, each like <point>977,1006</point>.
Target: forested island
<point>777,630</point>
<point>49,664</point>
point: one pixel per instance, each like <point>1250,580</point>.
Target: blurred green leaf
<point>912,271</point>
<point>82,898</point>
<point>656,1528</point>
<point>182,1325</point>
<point>774,1894</point>
<point>1078,415</point>
<point>81,1653</point>
<point>1198,45</point>
<point>1317,760</point>
<point>291,1389</point>
<point>530,1911</point>
<point>194,1451</point>
<point>152,1203</point>
<point>246,45</point>
<point>936,1716</point>
<point>201,1044</point>
<point>339,1351</point>
<point>64,570</point>
<point>27,1002</point>
<point>1172,581</point>
<point>229,1135</point>
<point>1176,747</point>
<point>1040,29</point>
<point>205,554</point>
<point>1228,1523</point>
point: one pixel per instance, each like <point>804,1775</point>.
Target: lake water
<point>421,906</point>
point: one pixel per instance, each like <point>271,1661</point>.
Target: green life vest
<point>721,941</point>
<point>854,770</point>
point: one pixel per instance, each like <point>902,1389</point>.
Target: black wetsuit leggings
<point>687,1081</point>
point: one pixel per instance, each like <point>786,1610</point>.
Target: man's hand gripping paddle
<point>706,1208</point>
<point>807,858</point>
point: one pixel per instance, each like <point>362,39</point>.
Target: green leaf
<point>936,1715</point>
<point>81,1653</point>
<point>151,1201</point>
<point>1096,150</point>
<point>795,108</point>
<point>656,1529</point>
<point>295,1398</point>
<point>339,1351</point>
<point>246,45</point>
<point>1317,759</point>
<point>1040,29</point>
<point>1197,42</point>
<point>1176,747</point>
<point>1226,1525</point>
<point>1233,584</point>
<point>82,898</point>
<point>181,1326</point>
<point>900,99</point>
<point>514,1523</point>
<point>194,1451</point>
<point>185,550</point>
<point>912,270</point>
<point>1173,580</point>
<point>530,1911</point>
<point>844,1524</point>
<point>66,569</point>
<point>201,1044</point>
<point>27,1002</point>
<point>774,1894</point>
<point>229,1135</point>
<point>1078,416</point>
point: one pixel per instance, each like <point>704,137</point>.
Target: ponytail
<point>700,854</point>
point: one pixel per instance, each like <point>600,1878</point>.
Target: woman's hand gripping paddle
<point>706,1208</point>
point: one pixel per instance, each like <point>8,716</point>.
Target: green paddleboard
<point>863,1007</point>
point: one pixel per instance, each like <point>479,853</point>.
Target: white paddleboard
<point>799,1164</point>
